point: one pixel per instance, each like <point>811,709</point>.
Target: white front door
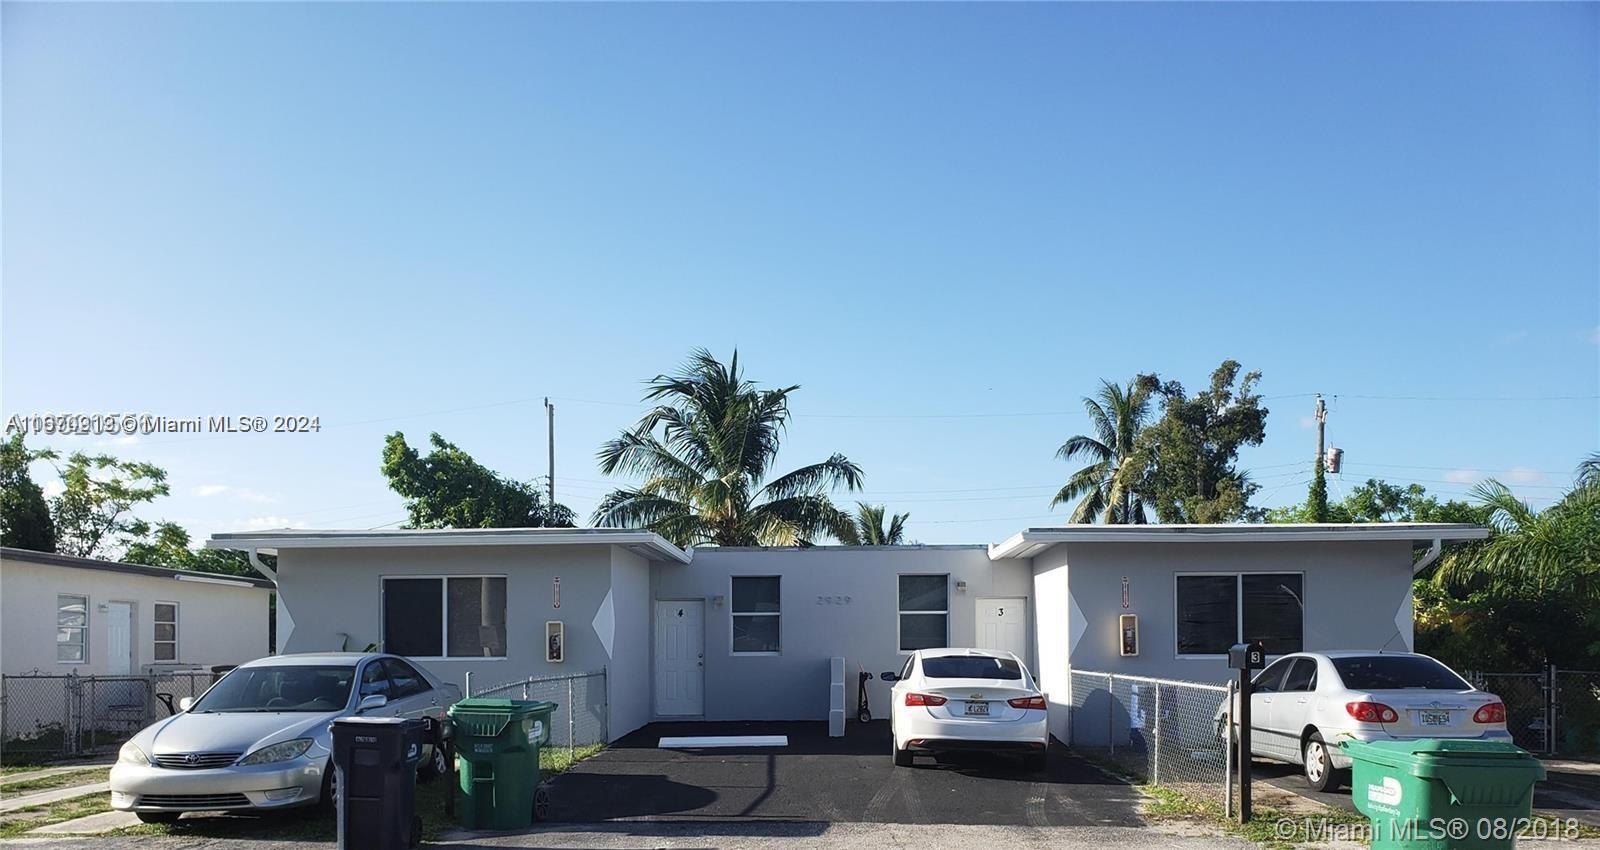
<point>119,638</point>
<point>680,658</point>
<point>1003,624</point>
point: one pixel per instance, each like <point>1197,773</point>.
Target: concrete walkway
<point>89,825</point>
<point>54,795</point>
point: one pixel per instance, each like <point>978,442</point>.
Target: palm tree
<point>1104,488</point>
<point>705,451</point>
<point>868,529</point>
<point>1553,550</point>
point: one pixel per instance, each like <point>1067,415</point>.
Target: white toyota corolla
<point>1304,704</point>
<point>966,699</point>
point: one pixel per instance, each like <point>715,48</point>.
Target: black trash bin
<point>375,763</point>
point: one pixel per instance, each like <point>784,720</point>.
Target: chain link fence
<point>582,706</point>
<point>56,716</point>
<point>1164,731</point>
<point>1552,711</point>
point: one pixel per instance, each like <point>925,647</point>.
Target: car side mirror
<point>186,703</point>
<point>890,676</point>
<point>371,701</point>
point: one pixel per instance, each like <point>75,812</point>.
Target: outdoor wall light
<point>961,587</point>
<point>716,601</point>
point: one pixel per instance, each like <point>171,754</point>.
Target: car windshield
<point>970,667</point>
<point>279,688</point>
<point>1397,672</point>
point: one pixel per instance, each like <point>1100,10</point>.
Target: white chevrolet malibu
<point>966,699</point>
<point>259,738</point>
<point>1302,705</point>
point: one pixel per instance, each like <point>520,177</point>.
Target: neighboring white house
<point>747,633</point>
<point>60,614</point>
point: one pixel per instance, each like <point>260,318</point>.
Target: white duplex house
<point>748,633</point>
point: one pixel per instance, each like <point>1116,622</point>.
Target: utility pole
<point>1322,422</point>
<point>550,422</point>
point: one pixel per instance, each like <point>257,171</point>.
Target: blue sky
<point>933,218</point>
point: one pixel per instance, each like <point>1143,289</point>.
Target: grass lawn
<point>87,776</point>
<point>13,824</point>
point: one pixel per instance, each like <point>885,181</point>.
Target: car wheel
<point>1319,770</point>
<point>158,817</point>
<point>329,801</point>
<point>436,766</point>
<point>541,801</point>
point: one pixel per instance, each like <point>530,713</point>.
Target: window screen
<point>757,621</point>
<point>72,623</point>
<point>413,617</point>
<point>166,623</point>
<point>924,612</point>
<point>1217,611</point>
<point>477,618</point>
<point>1272,611</point>
<point>1208,614</point>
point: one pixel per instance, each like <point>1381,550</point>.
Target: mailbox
<point>1128,625</point>
<point>1247,656</point>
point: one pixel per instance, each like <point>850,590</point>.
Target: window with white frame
<point>445,616</point>
<point>72,628</point>
<point>166,623</point>
<point>924,612</point>
<point>1214,612</point>
<point>757,617</point>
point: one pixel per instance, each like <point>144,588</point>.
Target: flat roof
<point>1032,541</point>
<point>644,543</point>
<point>53,559</point>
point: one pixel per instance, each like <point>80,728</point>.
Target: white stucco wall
<point>817,625</point>
<point>1357,596</point>
<point>1052,634</point>
<point>630,652</point>
<point>217,624</point>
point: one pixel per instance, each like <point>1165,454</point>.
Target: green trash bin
<point>1442,793</point>
<point>497,760</point>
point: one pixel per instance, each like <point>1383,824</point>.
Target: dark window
<point>1302,677</point>
<point>1211,618</point>
<point>1270,680</point>
<point>970,667</point>
<point>1396,672</point>
<point>924,612</point>
<point>279,688</point>
<point>757,621</point>
<point>1208,614</point>
<point>407,681</point>
<point>413,619</point>
<point>1273,613</point>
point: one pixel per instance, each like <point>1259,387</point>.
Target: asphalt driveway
<point>842,780</point>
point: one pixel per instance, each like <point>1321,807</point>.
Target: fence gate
<point>1552,711</point>
<point>51,716</point>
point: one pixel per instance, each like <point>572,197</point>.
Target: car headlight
<point>131,754</point>
<point>281,751</point>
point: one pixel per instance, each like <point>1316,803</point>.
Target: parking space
<point>817,778</point>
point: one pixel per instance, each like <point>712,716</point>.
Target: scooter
<point>863,712</point>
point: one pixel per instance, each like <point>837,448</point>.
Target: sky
<point>946,223</point>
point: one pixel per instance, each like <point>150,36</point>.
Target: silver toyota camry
<point>259,737</point>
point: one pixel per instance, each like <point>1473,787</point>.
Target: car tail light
<point>1371,712</point>
<point>1494,712</point>
<point>925,699</point>
<point>1026,702</point>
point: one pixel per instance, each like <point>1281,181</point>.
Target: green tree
<point>93,514</point>
<point>1317,498</point>
<point>448,489</point>
<point>1379,501</point>
<point>1185,464</point>
<point>872,526</point>
<point>705,452</point>
<point>24,515</point>
<point>167,544</point>
<point>1103,489</point>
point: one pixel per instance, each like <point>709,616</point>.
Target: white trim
<point>209,580</point>
<point>1238,623</point>
<point>898,613</point>
<point>654,546</point>
<point>732,613</point>
<point>88,606</point>
<point>444,614</point>
<point>1026,544</point>
<point>176,631</point>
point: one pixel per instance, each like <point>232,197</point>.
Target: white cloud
<point>265,522</point>
<point>206,491</point>
<point>1305,422</point>
<point>242,494</point>
<point>53,488</point>
<point>1463,476</point>
<point>1523,475</point>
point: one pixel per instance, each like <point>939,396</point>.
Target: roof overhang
<point>1026,544</point>
<point>646,544</point>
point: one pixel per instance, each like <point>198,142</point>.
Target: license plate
<point>978,709</point>
<point>1434,718</point>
